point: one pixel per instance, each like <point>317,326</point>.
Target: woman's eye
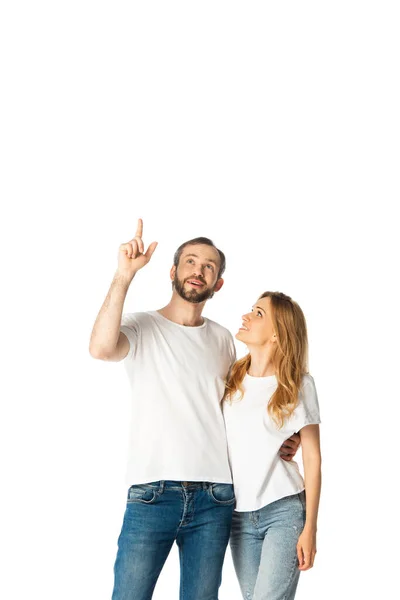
<point>259,313</point>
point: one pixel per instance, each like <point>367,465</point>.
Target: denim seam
<point>295,560</point>
<point>291,577</point>
<point>255,520</point>
<point>181,586</point>
<point>303,503</point>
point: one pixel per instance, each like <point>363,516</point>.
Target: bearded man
<point>178,474</point>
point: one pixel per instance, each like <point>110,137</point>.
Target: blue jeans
<point>197,515</point>
<point>263,545</point>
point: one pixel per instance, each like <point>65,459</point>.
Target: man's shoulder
<point>220,330</point>
<point>136,318</point>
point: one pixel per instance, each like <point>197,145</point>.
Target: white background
<point>272,128</point>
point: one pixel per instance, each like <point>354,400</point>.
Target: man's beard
<point>192,295</point>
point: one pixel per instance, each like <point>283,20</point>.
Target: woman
<point>269,396</point>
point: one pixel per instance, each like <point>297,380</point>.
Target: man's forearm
<point>106,329</point>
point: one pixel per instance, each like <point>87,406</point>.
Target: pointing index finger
<point>139,230</point>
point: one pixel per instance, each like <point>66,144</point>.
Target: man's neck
<point>183,312</point>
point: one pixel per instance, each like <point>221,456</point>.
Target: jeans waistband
<point>179,485</point>
<point>203,485</point>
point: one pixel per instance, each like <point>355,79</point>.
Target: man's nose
<point>198,270</point>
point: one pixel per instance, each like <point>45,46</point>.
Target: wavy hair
<point>289,358</point>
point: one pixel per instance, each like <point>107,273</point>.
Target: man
<point>178,470</point>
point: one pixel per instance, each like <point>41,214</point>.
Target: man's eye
<point>210,267</point>
<point>190,260</point>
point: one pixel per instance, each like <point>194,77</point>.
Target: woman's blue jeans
<point>197,515</point>
<point>263,545</point>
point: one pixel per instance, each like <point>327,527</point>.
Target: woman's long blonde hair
<point>290,358</point>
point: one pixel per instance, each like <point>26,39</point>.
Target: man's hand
<point>290,447</point>
<point>132,257</point>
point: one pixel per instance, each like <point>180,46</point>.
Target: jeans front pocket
<point>302,498</point>
<point>302,501</point>
<point>143,493</point>
<point>222,493</point>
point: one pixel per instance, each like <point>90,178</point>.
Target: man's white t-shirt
<point>260,476</point>
<point>177,376</point>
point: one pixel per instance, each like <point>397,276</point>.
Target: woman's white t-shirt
<point>260,476</point>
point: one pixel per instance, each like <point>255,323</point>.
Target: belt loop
<point>205,485</point>
<point>162,486</point>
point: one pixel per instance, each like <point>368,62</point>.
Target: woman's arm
<point>310,443</point>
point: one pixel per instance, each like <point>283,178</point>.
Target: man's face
<point>196,277</point>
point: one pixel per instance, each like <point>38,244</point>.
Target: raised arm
<point>107,342</point>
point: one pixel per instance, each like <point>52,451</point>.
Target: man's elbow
<point>99,353</point>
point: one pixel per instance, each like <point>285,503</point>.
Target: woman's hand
<point>307,548</point>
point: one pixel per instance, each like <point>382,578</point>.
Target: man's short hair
<point>207,242</point>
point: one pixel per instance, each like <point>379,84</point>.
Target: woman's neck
<point>261,363</point>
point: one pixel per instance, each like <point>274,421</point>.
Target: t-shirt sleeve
<point>307,411</point>
<point>130,327</point>
<point>232,351</point>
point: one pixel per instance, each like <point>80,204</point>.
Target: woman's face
<point>257,328</point>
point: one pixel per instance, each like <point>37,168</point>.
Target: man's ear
<point>219,285</point>
<point>172,273</point>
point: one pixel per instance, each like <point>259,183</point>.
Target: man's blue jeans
<point>197,515</point>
